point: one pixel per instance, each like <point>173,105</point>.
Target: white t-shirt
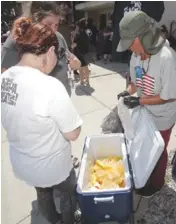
<point>36,110</point>
<point>157,76</point>
<point>167,43</point>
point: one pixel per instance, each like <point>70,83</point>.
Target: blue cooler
<point>140,147</point>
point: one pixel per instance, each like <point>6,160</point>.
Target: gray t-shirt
<point>157,76</point>
<point>10,57</point>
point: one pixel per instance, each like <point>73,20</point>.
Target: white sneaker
<point>77,216</point>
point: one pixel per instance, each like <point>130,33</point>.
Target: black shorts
<point>107,49</point>
<point>84,58</point>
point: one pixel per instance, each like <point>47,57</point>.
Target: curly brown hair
<point>33,37</point>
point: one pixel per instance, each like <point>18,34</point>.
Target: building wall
<point>168,16</point>
<point>92,14</point>
<point>95,15</point>
<point>169,13</point>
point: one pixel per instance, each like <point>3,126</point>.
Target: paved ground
<point>18,199</point>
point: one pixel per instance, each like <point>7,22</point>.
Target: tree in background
<point>10,10</point>
<point>25,7</point>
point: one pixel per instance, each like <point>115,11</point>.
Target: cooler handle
<point>105,199</point>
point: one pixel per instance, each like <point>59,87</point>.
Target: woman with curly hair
<point>40,120</point>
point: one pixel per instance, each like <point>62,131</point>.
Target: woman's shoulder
<point>55,83</point>
<point>27,72</point>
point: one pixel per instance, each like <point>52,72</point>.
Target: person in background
<point>154,9</point>
<point>81,50</point>
<point>166,33</point>
<point>171,34</point>
<point>153,78</point>
<point>107,41</point>
<point>72,33</point>
<point>40,124</point>
<point>92,32</point>
<point>72,36</point>
<point>92,29</point>
<point>47,13</point>
<point>99,45</point>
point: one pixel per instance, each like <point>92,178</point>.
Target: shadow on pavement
<point>162,208</point>
<point>84,90</point>
<point>36,217</point>
<point>113,66</point>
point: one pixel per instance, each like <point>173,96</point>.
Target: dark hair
<point>82,24</point>
<point>164,29</point>
<point>89,21</point>
<point>33,37</point>
<point>42,9</point>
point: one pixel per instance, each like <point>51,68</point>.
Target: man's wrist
<point>152,100</point>
<point>141,101</point>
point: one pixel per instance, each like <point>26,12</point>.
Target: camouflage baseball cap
<point>136,24</point>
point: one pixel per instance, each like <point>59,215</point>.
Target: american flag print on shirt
<point>145,82</point>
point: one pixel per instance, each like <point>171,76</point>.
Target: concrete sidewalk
<point>18,199</point>
<point>102,69</point>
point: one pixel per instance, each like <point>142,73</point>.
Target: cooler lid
<point>145,144</point>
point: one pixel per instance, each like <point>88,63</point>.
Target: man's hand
<point>74,62</point>
<point>123,94</point>
<point>132,101</point>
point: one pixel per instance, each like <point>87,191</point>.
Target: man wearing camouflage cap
<point>153,75</point>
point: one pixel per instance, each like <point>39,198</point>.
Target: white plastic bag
<point>125,117</point>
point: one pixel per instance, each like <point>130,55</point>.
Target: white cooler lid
<point>145,143</point>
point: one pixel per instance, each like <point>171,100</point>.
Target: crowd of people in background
<point>90,43</point>
<point>96,41</point>
<point>38,114</point>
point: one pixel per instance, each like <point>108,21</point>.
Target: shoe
<point>148,191</point>
<point>87,83</point>
<point>76,162</point>
<point>77,216</point>
<point>59,222</point>
<point>60,219</point>
<point>82,84</point>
